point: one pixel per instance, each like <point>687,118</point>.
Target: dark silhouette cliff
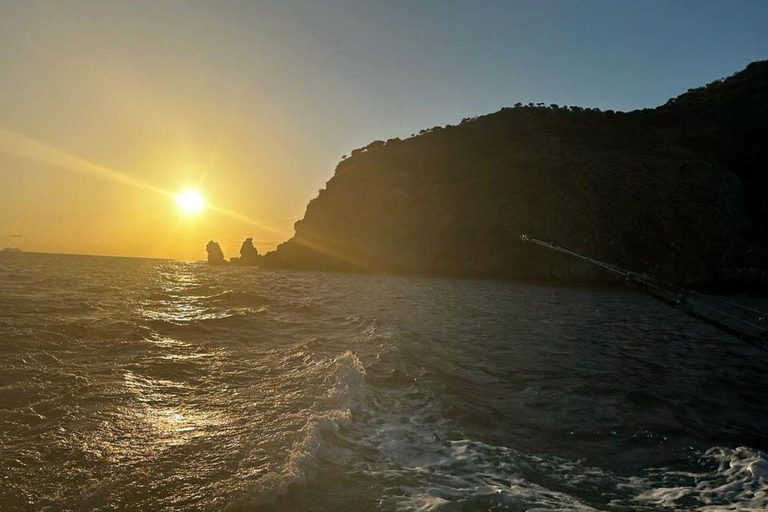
<point>678,192</point>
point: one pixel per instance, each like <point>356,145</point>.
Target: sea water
<point>130,384</point>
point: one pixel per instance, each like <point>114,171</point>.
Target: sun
<point>190,201</point>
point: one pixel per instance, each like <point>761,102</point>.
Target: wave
<point>467,472</point>
<point>738,481</point>
<point>327,416</point>
<point>415,443</point>
<point>482,476</point>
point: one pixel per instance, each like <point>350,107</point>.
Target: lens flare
<point>190,201</point>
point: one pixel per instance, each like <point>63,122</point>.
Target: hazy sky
<point>107,106</point>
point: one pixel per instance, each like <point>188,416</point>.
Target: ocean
<point>130,384</point>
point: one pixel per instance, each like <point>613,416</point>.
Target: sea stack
<point>249,255</point>
<point>215,254</point>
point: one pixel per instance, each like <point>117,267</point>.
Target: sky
<point>108,109</point>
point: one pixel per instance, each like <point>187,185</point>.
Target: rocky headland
<point>678,192</point>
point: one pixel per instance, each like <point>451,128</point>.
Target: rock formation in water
<point>678,192</point>
<point>249,255</point>
<point>11,249</point>
<point>215,254</point>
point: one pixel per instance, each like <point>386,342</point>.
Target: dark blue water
<point>159,385</point>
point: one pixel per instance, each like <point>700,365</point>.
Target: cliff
<point>677,192</point>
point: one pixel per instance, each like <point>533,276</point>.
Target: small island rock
<point>215,254</point>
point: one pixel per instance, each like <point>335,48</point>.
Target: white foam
<point>740,482</point>
<point>478,471</point>
<point>470,470</point>
<point>432,472</point>
<point>414,447</point>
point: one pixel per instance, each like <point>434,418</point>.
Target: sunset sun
<point>190,201</point>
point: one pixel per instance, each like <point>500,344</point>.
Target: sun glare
<point>190,201</point>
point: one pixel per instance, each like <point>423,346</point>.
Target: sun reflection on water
<point>161,418</point>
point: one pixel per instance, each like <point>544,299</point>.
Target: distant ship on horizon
<point>12,249</point>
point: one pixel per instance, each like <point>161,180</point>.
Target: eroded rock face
<point>215,254</point>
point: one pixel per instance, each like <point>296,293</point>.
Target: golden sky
<point>108,109</point>
<point>111,110</point>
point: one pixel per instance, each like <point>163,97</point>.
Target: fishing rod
<point>676,297</point>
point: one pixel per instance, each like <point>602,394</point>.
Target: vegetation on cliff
<point>677,192</point>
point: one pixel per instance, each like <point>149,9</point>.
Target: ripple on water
<point>147,385</point>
